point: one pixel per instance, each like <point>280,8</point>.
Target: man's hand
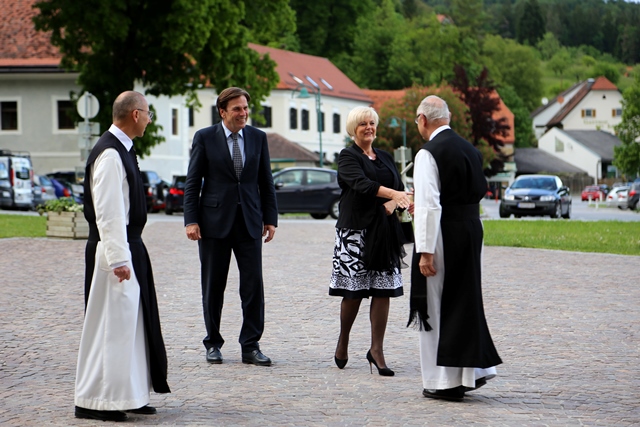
<point>122,273</point>
<point>269,231</point>
<point>193,232</point>
<point>426,265</point>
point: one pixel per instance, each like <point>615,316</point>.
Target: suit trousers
<point>215,258</point>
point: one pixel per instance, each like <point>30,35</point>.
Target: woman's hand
<point>389,207</point>
<point>401,199</point>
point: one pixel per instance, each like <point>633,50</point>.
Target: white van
<point>16,175</point>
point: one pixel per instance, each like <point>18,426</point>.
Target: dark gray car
<point>536,195</point>
<point>308,190</point>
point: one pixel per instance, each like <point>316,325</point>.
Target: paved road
<point>566,329</point>
<point>582,211</point>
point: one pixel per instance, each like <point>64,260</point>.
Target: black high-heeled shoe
<point>385,372</point>
<point>340,363</point>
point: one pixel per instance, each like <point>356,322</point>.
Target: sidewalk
<point>566,325</point>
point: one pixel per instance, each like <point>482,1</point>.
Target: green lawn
<point>22,226</point>
<point>615,237</point>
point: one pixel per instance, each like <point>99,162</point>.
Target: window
<point>266,115</point>
<point>66,115</point>
<point>191,117</point>
<point>174,121</point>
<point>215,115</point>
<point>559,146</point>
<point>616,112</point>
<point>293,118</point>
<point>304,119</point>
<point>321,121</point>
<point>9,115</point>
<point>336,123</point>
<point>289,179</point>
<point>319,177</point>
<point>588,112</point>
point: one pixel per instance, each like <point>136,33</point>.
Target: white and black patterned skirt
<point>350,279</point>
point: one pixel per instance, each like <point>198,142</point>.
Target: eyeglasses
<point>418,118</point>
<point>149,113</point>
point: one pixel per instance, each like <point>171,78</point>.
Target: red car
<point>592,192</point>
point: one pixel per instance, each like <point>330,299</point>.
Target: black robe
<point>465,340</point>
<point>139,255</point>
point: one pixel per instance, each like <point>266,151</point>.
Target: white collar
<point>122,137</point>
<point>437,131</point>
<point>227,132</point>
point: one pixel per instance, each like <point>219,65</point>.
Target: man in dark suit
<point>229,205</point>
<point>457,353</point>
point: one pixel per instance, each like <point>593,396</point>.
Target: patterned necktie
<point>133,155</point>
<point>237,155</point>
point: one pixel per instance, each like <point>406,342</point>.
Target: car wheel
<point>319,216</point>
<point>568,214</point>
<point>334,211</point>
<point>168,210</point>
<point>503,214</point>
<point>557,212</point>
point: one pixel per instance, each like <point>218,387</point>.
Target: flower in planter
<point>63,204</point>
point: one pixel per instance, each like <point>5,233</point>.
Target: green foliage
<point>627,156</point>
<point>22,226</point>
<point>548,46</point>
<point>522,122</point>
<point>62,204</point>
<point>511,64</point>
<point>531,25</point>
<point>610,71</point>
<point>615,237</point>
<point>560,62</point>
<point>170,47</point>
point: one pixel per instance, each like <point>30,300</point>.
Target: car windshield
<point>541,183</point>
<point>179,181</point>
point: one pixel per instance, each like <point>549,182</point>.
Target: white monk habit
<point>428,239</point>
<point>113,368</point>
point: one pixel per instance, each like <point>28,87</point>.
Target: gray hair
<point>357,115</point>
<point>434,109</point>
<point>125,103</point>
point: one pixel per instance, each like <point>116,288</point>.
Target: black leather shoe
<point>93,414</point>
<point>453,394</point>
<point>257,358</point>
<point>214,355</point>
<point>145,410</point>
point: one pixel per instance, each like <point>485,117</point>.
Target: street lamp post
<point>304,94</point>
<point>402,152</point>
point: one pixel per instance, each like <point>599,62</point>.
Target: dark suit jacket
<point>358,180</point>
<point>211,168</point>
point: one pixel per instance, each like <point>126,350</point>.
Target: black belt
<point>460,212</point>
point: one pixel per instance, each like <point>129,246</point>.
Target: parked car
<point>43,190</point>
<point>536,195</point>
<point>308,190</point>
<point>634,195</point>
<point>154,189</point>
<point>174,200</point>
<point>592,192</point>
<point>73,181</point>
<point>618,197</point>
<point>16,172</point>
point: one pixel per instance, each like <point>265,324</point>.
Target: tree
<point>480,97</point>
<point>511,64</point>
<point>531,26</point>
<point>610,71</point>
<point>405,108</point>
<point>548,46</point>
<point>523,125</point>
<point>171,47</point>
<point>626,157</point>
<point>560,63</point>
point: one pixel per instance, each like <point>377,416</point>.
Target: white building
<point>594,104</point>
<point>35,98</point>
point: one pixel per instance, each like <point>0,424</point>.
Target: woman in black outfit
<point>368,252</point>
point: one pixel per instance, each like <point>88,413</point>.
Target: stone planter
<point>70,225</point>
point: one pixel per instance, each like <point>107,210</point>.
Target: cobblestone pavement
<point>566,325</point>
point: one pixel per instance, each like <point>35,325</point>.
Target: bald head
<point>435,109</point>
<point>127,102</point>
